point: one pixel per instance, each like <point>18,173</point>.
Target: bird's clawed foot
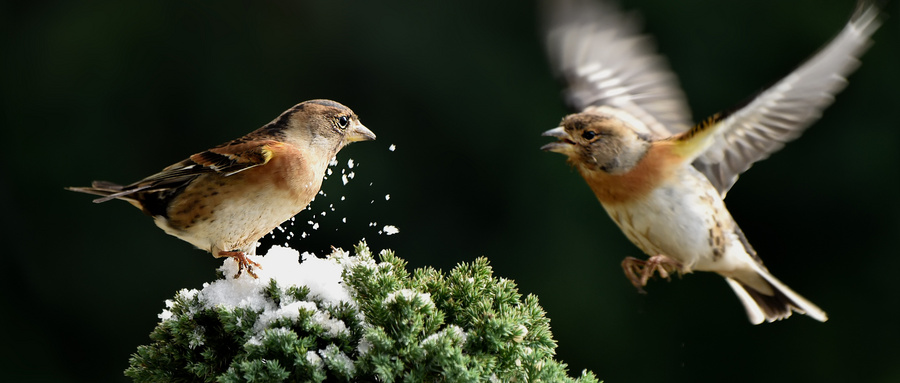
<point>242,261</point>
<point>640,271</point>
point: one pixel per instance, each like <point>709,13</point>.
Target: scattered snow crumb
<point>316,226</point>
<point>521,337</point>
<point>328,171</point>
<point>387,197</point>
<point>351,175</point>
<point>344,220</point>
<point>333,161</point>
<point>350,163</point>
<point>390,230</point>
<point>344,179</point>
<point>343,198</point>
<point>392,147</point>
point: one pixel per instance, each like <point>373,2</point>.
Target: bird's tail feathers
<point>108,191</point>
<point>763,307</point>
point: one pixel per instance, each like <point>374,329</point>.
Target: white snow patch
<point>331,352</point>
<point>364,346</point>
<point>447,331</point>
<point>409,296</point>
<point>290,311</point>
<point>314,359</point>
<point>321,276</point>
<point>333,327</point>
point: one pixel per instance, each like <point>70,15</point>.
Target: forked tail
<point>774,307</point>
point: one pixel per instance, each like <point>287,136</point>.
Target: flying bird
<point>223,200</point>
<point>662,178</point>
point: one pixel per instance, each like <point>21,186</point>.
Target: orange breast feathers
<point>658,166</point>
<point>288,169</point>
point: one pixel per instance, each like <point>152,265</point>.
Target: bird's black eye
<point>588,135</point>
<point>343,121</point>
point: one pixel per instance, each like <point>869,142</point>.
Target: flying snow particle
<point>390,230</point>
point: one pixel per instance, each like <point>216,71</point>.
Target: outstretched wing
<point>781,113</point>
<point>598,51</point>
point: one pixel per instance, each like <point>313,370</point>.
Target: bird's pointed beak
<point>557,132</point>
<point>564,145</point>
<point>359,133</point>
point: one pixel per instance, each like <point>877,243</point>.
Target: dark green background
<point>117,90</point>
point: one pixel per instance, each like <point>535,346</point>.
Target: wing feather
<point>782,112</point>
<point>598,51</point>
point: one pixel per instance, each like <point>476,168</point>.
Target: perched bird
<point>225,199</point>
<point>662,179</point>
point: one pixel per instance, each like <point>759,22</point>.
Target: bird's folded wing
<point>781,113</point>
<point>225,160</point>
<point>598,51</point>
<point>231,159</point>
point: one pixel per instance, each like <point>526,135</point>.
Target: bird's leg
<point>242,261</point>
<point>633,268</point>
<point>640,271</point>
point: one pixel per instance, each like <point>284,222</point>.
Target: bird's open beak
<point>564,145</point>
<point>359,133</point>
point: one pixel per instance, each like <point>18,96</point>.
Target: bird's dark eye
<point>343,121</point>
<point>588,135</point>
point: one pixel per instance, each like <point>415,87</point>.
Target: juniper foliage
<point>427,326</point>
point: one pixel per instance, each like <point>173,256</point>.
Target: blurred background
<point>118,90</point>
